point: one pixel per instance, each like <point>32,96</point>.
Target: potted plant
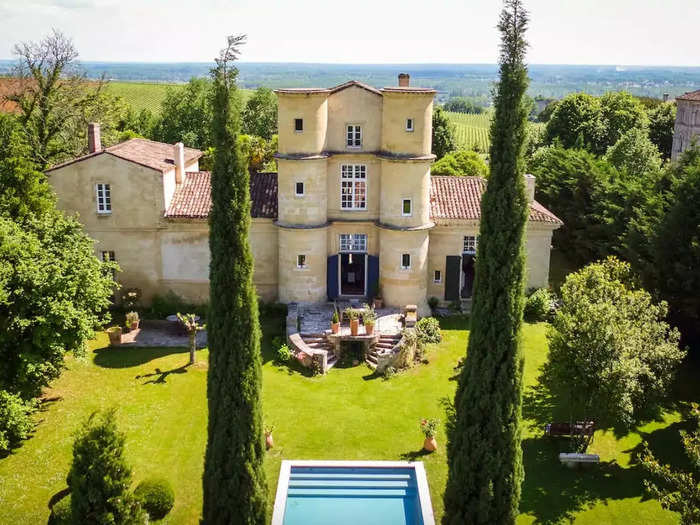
<point>132,321</point>
<point>429,428</point>
<point>269,442</point>
<point>335,322</point>
<point>354,317</point>
<point>377,301</point>
<point>115,335</point>
<point>370,319</point>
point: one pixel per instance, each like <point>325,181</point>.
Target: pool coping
<point>286,470</point>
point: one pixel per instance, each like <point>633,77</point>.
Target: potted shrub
<point>115,335</point>
<point>377,301</point>
<point>269,442</point>
<point>354,317</point>
<point>335,322</point>
<point>132,321</point>
<point>370,319</point>
<point>429,428</point>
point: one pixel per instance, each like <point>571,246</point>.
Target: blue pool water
<point>352,496</point>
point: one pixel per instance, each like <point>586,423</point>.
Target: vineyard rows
<point>471,131</point>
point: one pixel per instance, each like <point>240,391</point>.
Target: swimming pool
<point>352,493</point>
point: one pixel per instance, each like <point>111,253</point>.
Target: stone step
<point>370,364</point>
<point>372,358</point>
<point>331,362</point>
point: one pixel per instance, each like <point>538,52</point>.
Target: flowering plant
<point>429,427</point>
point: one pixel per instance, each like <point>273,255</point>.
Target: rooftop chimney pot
<point>404,79</point>
<point>530,187</point>
<point>179,154</point>
<point>94,140</point>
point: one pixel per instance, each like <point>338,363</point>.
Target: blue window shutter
<point>453,269</point>
<point>332,276</point>
<point>372,276</point>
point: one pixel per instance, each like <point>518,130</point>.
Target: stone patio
<point>316,318</point>
<point>161,333</point>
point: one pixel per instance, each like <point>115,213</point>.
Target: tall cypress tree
<point>234,484</point>
<point>484,437</point>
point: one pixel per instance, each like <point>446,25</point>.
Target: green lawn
<point>347,414</point>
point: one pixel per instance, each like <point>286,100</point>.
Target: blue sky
<point>619,32</point>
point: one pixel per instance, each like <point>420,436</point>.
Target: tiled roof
<point>408,89</point>
<point>350,83</point>
<point>460,198</point>
<point>155,155</point>
<point>691,95</point>
<point>192,200</point>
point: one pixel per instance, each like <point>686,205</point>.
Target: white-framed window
<point>353,187</point>
<point>470,244</point>
<point>301,261</point>
<point>108,256</point>
<point>353,136</point>
<point>298,125</point>
<point>406,207</point>
<point>405,261</point>
<point>353,242</point>
<point>409,124</point>
<point>104,198</point>
<point>299,189</point>
<point>437,276</point>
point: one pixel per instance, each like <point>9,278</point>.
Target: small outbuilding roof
<point>351,83</point>
<point>192,199</point>
<point>460,198</point>
<point>158,156</point>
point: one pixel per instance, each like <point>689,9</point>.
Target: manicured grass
<point>347,414</point>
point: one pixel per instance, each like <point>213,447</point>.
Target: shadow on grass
<point>127,357</point>
<point>414,455</point>
<point>160,376</point>
<point>58,496</point>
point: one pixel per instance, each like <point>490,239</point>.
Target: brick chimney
<point>94,140</point>
<point>530,187</point>
<point>404,79</point>
<point>666,95</point>
<point>179,154</point>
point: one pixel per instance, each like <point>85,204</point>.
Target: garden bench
<point>573,459</point>
<point>579,428</point>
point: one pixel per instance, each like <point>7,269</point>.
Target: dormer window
<point>409,124</point>
<point>104,198</point>
<point>354,136</point>
<point>298,125</point>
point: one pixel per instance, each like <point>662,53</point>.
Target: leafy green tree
<point>572,183</point>
<point>621,112</point>
<point>443,134</point>
<point>260,114</point>
<point>546,113</point>
<point>484,450</point>
<point>100,478</point>
<point>461,163</point>
<point>463,105</point>
<point>676,490</point>
<point>634,153</point>
<point>15,420</point>
<point>611,354</point>
<point>235,490</point>
<point>576,122</point>
<point>662,120</point>
<point>186,115</point>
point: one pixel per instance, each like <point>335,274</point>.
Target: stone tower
<point>687,122</point>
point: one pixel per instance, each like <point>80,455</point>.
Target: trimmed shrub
<point>433,303</point>
<point>284,354</point>
<point>15,420</point>
<point>538,305</point>
<point>428,330</point>
<point>156,496</point>
<point>61,512</point>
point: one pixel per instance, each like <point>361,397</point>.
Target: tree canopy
<point>443,134</point>
<point>463,105</point>
<point>461,163</point>
<point>260,114</point>
<point>186,115</point>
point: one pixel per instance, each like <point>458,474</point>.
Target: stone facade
<point>352,211</point>
<point>687,126</point>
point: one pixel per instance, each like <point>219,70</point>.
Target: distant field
<point>149,95</point>
<point>471,130</point>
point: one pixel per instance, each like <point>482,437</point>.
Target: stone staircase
<point>319,342</point>
<point>385,343</point>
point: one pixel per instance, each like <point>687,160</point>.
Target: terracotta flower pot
<point>369,329</point>
<point>335,327</point>
<point>354,326</point>
<point>269,442</point>
<point>430,444</point>
<point>134,325</point>
<point>378,303</point>
<point>115,336</point>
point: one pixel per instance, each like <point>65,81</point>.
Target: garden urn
<point>354,326</point>
<point>369,328</point>
<point>335,327</point>
<point>115,335</point>
<point>430,444</point>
